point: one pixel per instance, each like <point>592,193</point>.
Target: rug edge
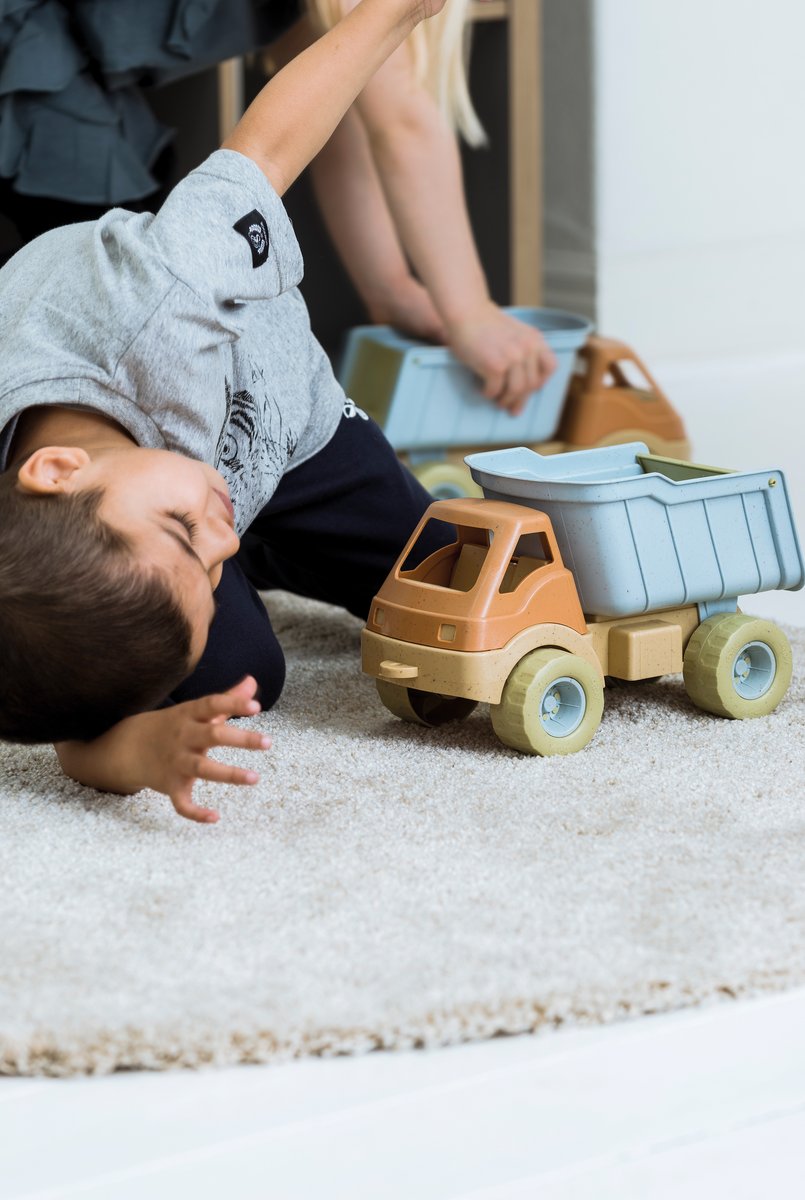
<point>39,1052</point>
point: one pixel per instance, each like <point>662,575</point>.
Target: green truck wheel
<point>446,480</point>
<point>737,666</point>
<point>552,703</point>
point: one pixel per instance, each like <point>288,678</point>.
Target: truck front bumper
<point>472,675</point>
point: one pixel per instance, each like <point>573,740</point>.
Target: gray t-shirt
<point>185,327</point>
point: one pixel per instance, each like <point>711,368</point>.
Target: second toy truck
<point>432,409</point>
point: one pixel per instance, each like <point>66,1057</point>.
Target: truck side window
<point>627,374</point>
<point>531,552</point>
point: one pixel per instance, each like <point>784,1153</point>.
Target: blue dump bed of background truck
<point>423,397</point>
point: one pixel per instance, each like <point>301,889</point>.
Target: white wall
<point>700,175</point>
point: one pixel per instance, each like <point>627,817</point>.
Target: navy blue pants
<point>332,531</point>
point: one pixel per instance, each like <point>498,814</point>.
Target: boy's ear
<point>51,469</point>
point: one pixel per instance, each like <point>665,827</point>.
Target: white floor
<point>703,1104</point>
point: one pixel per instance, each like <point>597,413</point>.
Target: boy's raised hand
<point>289,121</point>
<point>427,8</point>
<point>167,750</point>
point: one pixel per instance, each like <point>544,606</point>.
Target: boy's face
<point>178,514</point>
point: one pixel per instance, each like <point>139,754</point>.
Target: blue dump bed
<point>642,533</point>
<point>424,398</point>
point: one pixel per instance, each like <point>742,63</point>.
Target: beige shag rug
<point>391,886</point>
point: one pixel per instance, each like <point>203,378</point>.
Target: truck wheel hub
<point>753,670</point>
<point>563,706</point>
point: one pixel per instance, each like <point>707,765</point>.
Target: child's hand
<point>185,735</point>
<point>167,750</point>
<point>512,359</point>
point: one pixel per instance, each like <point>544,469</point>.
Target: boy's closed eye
<point>189,523</point>
<point>185,542</point>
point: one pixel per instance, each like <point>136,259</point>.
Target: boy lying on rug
<point>161,394</point>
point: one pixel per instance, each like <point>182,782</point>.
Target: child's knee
<point>270,680</point>
<point>218,672</point>
<point>240,642</point>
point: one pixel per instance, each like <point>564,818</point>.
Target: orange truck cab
<point>613,398</point>
<point>504,573</point>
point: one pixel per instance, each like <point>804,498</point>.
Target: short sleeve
<point>223,231</point>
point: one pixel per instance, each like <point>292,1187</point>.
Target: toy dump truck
<point>578,568</point>
<point>433,412</point>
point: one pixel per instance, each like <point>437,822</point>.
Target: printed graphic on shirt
<point>254,447</point>
<point>254,229</point>
<point>351,410</point>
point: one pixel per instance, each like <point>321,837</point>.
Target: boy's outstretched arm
<point>295,113</point>
<point>167,750</point>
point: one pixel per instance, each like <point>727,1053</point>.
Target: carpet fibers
<point>386,885</point>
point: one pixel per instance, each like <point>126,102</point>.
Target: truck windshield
<point>458,565</point>
<point>457,569</point>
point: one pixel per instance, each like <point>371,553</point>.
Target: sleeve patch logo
<point>254,229</point>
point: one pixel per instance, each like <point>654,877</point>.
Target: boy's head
<point>107,567</point>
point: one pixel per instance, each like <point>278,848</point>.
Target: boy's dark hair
<point>88,635</point>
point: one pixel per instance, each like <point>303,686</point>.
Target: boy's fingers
<point>247,686</point>
<point>185,807</point>
<point>231,735</point>
<point>225,704</point>
<point>200,767</point>
<point>218,772</point>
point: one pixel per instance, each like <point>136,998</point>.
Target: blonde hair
<point>440,47</point>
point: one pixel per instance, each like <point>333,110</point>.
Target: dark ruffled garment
<point>74,124</point>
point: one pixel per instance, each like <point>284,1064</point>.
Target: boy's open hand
<point>167,750</point>
<point>186,734</point>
